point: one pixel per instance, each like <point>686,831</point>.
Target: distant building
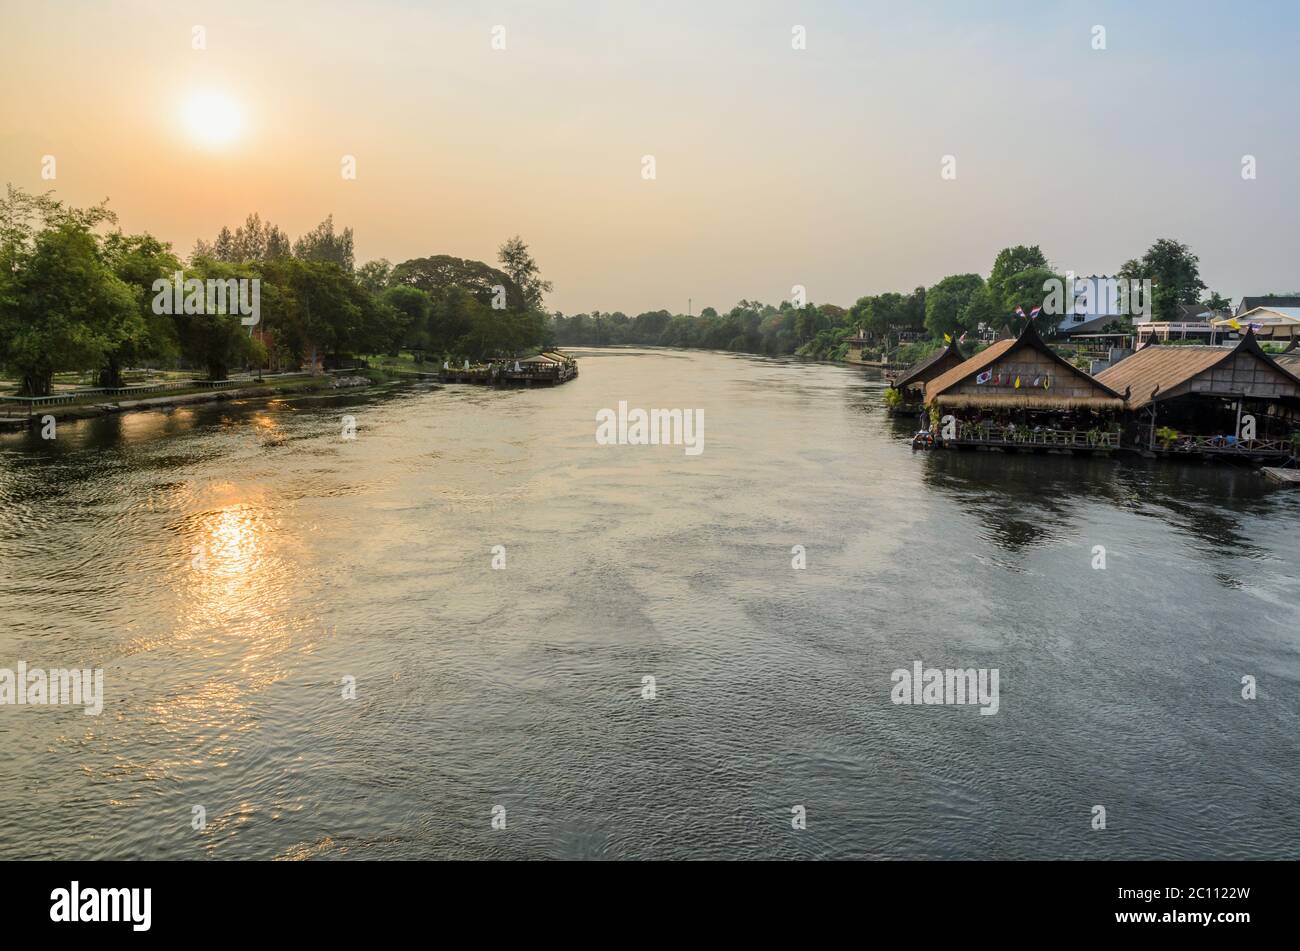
<point>1098,299</point>
<point>1274,322</point>
<point>1266,300</point>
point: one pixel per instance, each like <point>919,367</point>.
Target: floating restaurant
<point>1209,401</point>
<point>1020,394</point>
<point>910,384</point>
<point>1166,401</point>
<point>548,368</point>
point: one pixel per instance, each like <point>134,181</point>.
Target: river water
<point>229,567</point>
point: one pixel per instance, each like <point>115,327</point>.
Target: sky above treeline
<point>773,166</point>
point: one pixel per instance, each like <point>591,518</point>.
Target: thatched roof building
<point>1157,373</point>
<point>1020,373</point>
<point>916,376</point>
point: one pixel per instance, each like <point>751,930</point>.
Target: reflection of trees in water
<point>1026,499</point>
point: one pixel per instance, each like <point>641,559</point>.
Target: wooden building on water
<point>1237,402</point>
<point>548,368</point>
<point>1020,394</point>
<point>910,384</point>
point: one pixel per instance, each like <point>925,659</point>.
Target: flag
<point>1047,382</point>
<point>1232,322</point>
<point>1017,382</point>
<point>1037,380</point>
<point>1019,311</point>
<point>947,338</point>
<point>1256,327</point>
<point>1034,313</point>
<point>962,338</point>
<point>984,377</point>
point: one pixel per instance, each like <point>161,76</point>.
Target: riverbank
<point>362,380</point>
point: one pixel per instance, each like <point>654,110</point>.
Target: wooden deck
<point>1287,477</point>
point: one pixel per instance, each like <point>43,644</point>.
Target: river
<point>231,566</point>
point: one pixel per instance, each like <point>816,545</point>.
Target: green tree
<point>139,260</point>
<point>326,246</point>
<point>373,275</point>
<point>1217,303</point>
<point>213,340</point>
<point>517,262</point>
<point>1028,289</point>
<point>251,241</point>
<point>414,307</point>
<point>62,308</point>
<point>1175,274</point>
<point>1011,261</point>
<point>946,303</point>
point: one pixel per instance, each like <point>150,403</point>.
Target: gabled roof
<point>1028,339</point>
<point>1092,326</point>
<point>1154,372</point>
<point>930,367</point>
<point>1266,316</point>
<point>1268,300</point>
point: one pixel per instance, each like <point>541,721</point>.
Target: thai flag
<point>961,339</point>
<point>1034,313</point>
<point>1019,311</point>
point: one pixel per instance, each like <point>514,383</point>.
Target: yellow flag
<point>1017,382</point>
<point>947,338</point>
<point>1234,324</point>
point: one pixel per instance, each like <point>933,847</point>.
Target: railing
<point>69,396</point>
<point>1228,444</point>
<point>1023,436</point>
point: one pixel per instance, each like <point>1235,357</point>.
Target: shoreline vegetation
<point>79,296</point>
<point>94,321</point>
<point>901,326</point>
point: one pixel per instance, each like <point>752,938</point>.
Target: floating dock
<point>1281,476</point>
<point>549,368</point>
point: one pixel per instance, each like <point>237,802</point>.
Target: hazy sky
<point>774,166</point>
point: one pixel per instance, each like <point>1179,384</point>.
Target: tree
<point>1217,303</point>
<point>213,340</point>
<point>984,308</point>
<point>947,301</point>
<point>251,241</point>
<point>140,260</point>
<point>322,244</point>
<point>1030,288</point>
<point>63,308</point>
<point>434,275</point>
<point>516,261</point>
<point>373,275</point>
<point>1011,261</point>
<point>1174,272</point>
<point>414,307</point>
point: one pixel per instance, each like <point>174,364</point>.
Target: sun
<point>212,118</point>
